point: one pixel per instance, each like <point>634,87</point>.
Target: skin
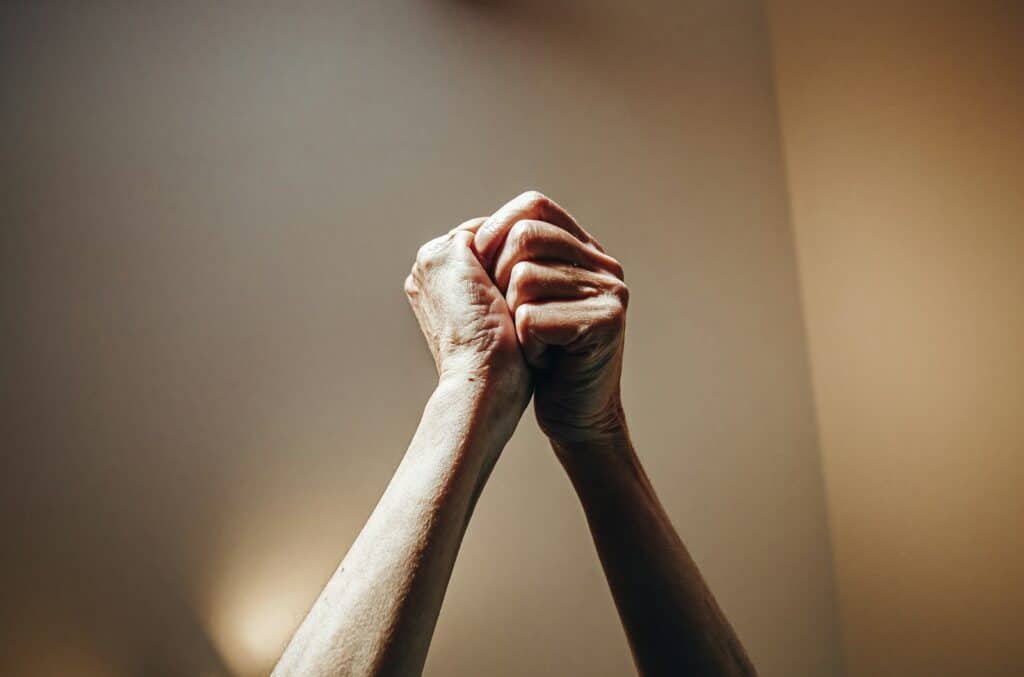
<point>524,301</point>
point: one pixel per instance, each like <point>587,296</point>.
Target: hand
<point>464,317</point>
<point>569,302</point>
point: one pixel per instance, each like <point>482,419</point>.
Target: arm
<point>377,613</point>
<point>671,618</point>
<point>569,302</point>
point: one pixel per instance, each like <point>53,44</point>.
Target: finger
<point>532,282</point>
<point>472,225</point>
<point>529,205</point>
<point>462,242</point>
<point>457,241</point>
<point>566,324</point>
<point>539,326</point>
<point>540,241</point>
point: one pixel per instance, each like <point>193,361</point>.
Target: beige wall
<point>903,129</point>
<point>209,211</point>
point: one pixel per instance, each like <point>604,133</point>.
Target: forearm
<point>673,623</point>
<point>377,613</point>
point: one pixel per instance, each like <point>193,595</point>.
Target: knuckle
<point>621,291</point>
<point>521,234</point>
<point>430,252</point>
<point>423,254</point>
<point>616,268</point>
<point>520,274</point>
<point>617,316</point>
<point>470,225</point>
<point>524,318</point>
<point>535,199</point>
<point>611,317</point>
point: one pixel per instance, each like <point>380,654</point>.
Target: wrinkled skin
<point>527,298</point>
<point>523,299</point>
<point>463,315</point>
<point>568,300</point>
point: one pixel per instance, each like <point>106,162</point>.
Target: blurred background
<point>210,372</point>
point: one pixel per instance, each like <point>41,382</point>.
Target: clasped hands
<point>522,302</point>
<point>525,301</point>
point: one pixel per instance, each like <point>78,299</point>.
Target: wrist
<point>507,380</point>
<point>495,400</point>
<point>606,435</point>
<point>462,431</point>
<point>605,430</point>
<point>607,443</point>
<point>593,461</point>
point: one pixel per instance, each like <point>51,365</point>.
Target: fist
<point>568,301</point>
<point>464,318</point>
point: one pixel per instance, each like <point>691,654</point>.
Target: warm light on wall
<point>273,562</point>
<point>255,614</point>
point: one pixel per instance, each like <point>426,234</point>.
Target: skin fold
<point>524,302</point>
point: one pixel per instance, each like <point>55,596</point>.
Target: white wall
<point>213,370</point>
<point>903,130</point>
